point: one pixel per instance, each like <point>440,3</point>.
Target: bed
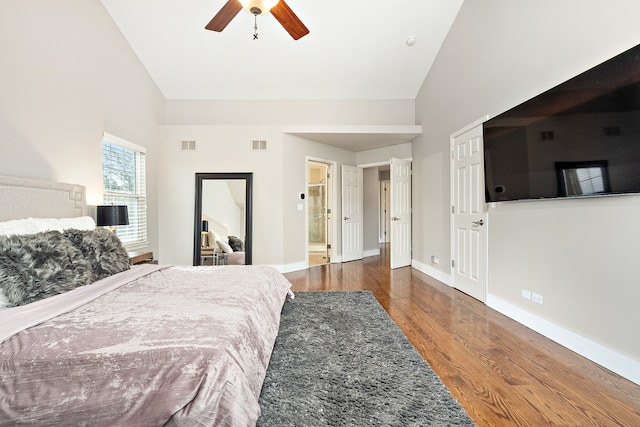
<point>148,345</point>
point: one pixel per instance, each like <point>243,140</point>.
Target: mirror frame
<point>197,236</point>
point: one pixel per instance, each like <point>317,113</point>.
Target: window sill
<point>135,246</point>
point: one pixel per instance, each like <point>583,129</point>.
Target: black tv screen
<point>578,139</point>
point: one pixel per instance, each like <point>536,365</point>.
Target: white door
<point>469,213</point>
<point>352,238</point>
<point>400,213</point>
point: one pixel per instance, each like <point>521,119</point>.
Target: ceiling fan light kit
<point>278,8</point>
<point>258,7</point>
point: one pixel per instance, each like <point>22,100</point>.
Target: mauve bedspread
<point>186,344</point>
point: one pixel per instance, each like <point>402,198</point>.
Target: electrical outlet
<point>536,298</point>
<point>435,260</point>
<point>526,294</point>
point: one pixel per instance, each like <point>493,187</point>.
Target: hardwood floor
<point>502,372</point>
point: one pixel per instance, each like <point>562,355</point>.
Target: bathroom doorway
<point>319,209</point>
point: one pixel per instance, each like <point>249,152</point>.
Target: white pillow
<point>214,236</point>
<point>18,227</point>
<point>213,240</point>
<point>60,224</point>
<point>38,225</point>
<point>224,246</point>
<point>79,223</point>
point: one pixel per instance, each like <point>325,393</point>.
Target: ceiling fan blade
<point>224,16</point>
<point>285,16</point>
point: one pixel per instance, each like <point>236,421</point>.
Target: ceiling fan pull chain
<point>255,26</point>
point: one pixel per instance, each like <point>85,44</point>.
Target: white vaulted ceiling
<point>356,49</point>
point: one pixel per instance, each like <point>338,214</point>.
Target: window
<point>124,183</point>
<point>583,178</point>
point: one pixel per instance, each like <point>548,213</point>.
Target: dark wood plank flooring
<point>502,372</point>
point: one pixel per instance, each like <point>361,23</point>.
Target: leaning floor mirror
<point>223,219</point>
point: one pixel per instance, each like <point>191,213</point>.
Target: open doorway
<point>387,211</point>
<point>319,208</point>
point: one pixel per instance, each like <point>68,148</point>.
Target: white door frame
<point>334,215</point>
<point>384,211</point>
<point>453,194</point>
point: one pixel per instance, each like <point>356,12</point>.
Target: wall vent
<point>547,135</point>
<point>258,144</point>
<point>187,145</point>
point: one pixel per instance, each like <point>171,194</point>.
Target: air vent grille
<point>187,145</point>
<point>258,144</point>
<point>547,135</point>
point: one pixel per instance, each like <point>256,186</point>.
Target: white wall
<point>291,112</point>
<point>67,75</point>
<point>296,152</point>
<point>578,254</point>
<point>219,149</point>
<point>218,205</point>
<point>226,127</point>
<point>377,156</point>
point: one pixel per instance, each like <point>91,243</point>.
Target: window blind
<point>124,183</point>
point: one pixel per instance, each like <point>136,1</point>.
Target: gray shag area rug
<point>339,360</point>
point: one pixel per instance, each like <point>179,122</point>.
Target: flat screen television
<point>578,139</point>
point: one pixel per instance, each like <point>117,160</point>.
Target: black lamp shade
<point>112,215</point>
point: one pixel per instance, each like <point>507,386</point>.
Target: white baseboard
<point>287,268</point>
<point>433,272</point>
<point>612,360</point>
<point>371,252</point>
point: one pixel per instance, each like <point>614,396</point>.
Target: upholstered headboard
<point>26,197</point>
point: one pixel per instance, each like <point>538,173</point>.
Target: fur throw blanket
<point>37,266</point>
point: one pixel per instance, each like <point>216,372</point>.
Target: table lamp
<point>109,216</point>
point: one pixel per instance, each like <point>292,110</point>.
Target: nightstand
<point>141,258</point>
<point>212,256</point>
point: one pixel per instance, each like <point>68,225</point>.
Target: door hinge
<point>453,154</point>
<point>453,263</point>
<point>453,209</point>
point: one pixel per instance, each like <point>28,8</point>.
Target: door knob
<point>395,218</point>
<point>346,218</point>
<point>477,223</point>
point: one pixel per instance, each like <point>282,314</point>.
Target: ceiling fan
<point>279,9</point>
